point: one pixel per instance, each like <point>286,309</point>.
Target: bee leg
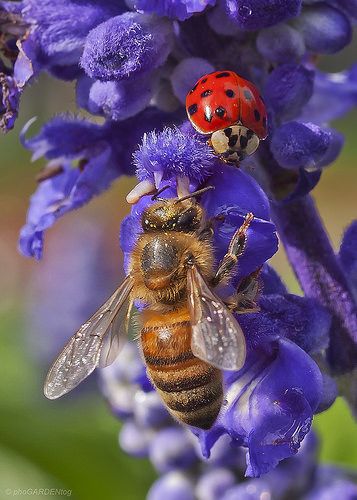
<point>247,295</point>
<point>235,250</point>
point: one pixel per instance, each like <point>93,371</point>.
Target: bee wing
<point>113,339</point>
<point>216,335</point>
<point>82,353</point>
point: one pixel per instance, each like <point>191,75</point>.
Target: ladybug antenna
<point>195,193</point>
<point>156,195</point>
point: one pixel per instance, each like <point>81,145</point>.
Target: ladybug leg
<point>235,250</point>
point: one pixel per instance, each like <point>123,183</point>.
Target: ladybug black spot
<point>208,115</point>
<point>223,75</point>
<point>247,94</point>
<point>192,109</point>
<point>256,115</point>
<point>206,93</point>
<point>220,111</point>
<point>229,93</point>
<point>204,80</point>
<point>193,88</point>
<point>232,141</point>
<point>243,141</point>
<point>228,132</point>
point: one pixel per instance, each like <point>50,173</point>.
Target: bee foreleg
<point>235,249</point>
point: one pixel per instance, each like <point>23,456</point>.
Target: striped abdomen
<point>191,389</point>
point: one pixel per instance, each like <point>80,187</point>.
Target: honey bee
<point>188,333</point>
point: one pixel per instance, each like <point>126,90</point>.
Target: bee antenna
<point>156,195</point>
<point>195,193</point>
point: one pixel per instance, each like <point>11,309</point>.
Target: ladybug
<point>231,109</point>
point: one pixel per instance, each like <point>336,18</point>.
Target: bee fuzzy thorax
<point>159,265</point>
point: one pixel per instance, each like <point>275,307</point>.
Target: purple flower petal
<point>299,319</point>
<point>272,283</point>
<point>269,406</point>
<point>61,26</point>
<point>120,100</point>
<point>288,88</point>
<point>126,46</point>
<point>67,191</point>
<point>338,89</point>
<point>135,439</point>
<point>173,486</point>
<point>174,9</point>
<point>326,30</point>
<point>221,23</point>
<point>305,145</point>
<point>234,195</point>
<point>257,14</point>
<point>186,74</point>
<point>281,44</point>
<point>214,483</point>
<point>172,449</point>
<point>329,393</point>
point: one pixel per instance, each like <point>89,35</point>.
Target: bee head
<point>173,214</point>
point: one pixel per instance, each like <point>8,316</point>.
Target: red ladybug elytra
<point>231,109</point>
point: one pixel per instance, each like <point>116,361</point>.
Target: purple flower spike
<point>281,44</point>
<point>249,490</point>
<point>174,486</point>
<point>61,27</point>
<point>126,46</point>
<point>269,406</point>
<point>331,483</point>
<point>214,483</point>
<point>257,14</point>
<point>174,9</point>
<point>326,30</point>
<point>135,440</point>
<point>305,145</point>
<point>172,449</point>
<point>287,90</point>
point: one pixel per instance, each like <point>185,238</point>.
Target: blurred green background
<point>72,444</point>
